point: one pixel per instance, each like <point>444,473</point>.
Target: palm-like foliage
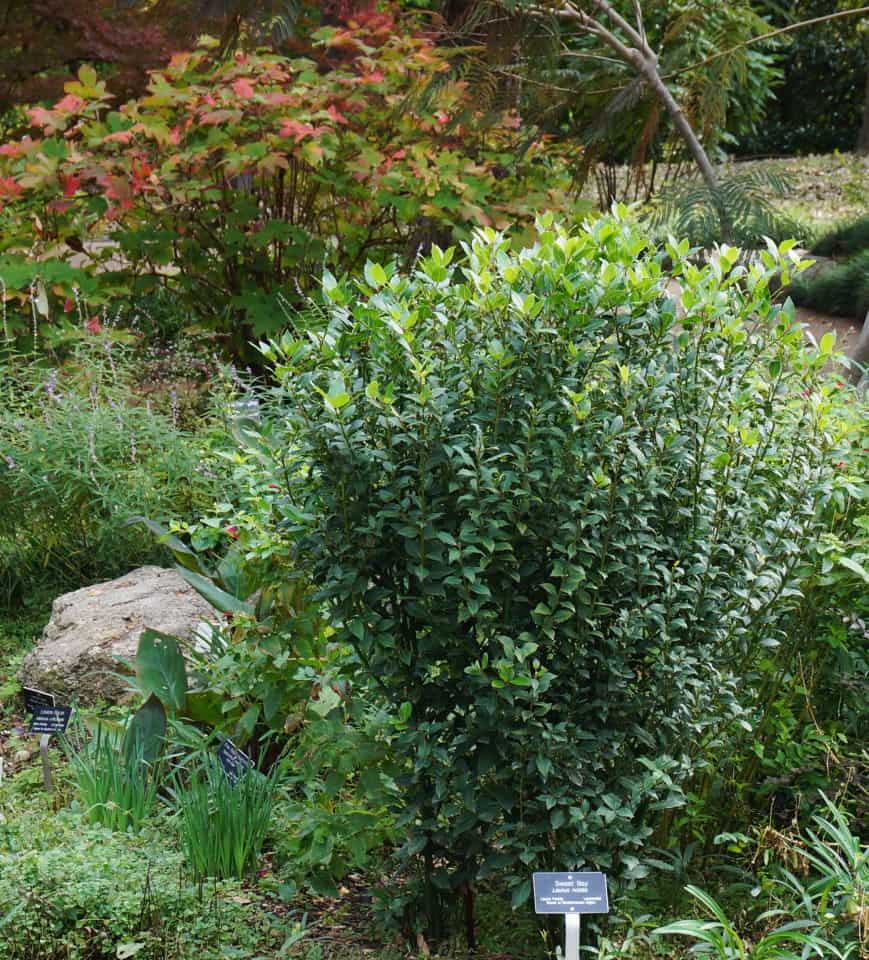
<point>567,76</point>
<point>617,115</point>
<point>693,210</point>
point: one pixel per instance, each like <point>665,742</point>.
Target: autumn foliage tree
<point>46,41</point>
<point>235,180</point>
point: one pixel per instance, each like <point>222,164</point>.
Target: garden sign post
<point>571,894</point>
<point>235,762</point>
<point>46,719</point>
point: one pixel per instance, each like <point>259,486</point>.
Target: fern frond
<point>694,211</point>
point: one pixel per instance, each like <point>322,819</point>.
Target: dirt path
<point>820,323</point>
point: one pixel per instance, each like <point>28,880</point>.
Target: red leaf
<point>214,117</point>
<point>122,136</point>
<point>16,149</point>
<point>40,117</point>
<point>243,88</point>
<point>336,114</point>
<point>69,104</point>
<point>299,130</point>
<point>70,184</point>
<point>141,173</point>
<point>10,188</point>
<point>278,99</point>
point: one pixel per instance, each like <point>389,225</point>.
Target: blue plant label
<point>34,699</point>
<point>570,893</point>
<point>50,719</point>
<point>235,762</point>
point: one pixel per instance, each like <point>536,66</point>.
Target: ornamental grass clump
<point>117,785</point>
<point>560,519</point>
<point>222,824</point>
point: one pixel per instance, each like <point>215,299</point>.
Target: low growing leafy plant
<point>718,937</point>
<point>824,915</point>
<point>834,897</point>
<point>71,890</point>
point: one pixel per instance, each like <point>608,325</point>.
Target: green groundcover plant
<point>72,890</point>
<point>559,520</point>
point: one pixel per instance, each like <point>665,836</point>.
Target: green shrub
<point>844,240</point>
<point>818,102</point>
<point>559,524</point>
<point>842,290</point>
<point>338,815</point>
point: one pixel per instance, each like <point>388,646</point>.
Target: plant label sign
<point>570,893</point>
<point>235,762</point>
<point>34,699</point>
<point>50,720</point>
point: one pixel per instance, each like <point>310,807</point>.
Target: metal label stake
<point>46,767</point>
<point>571,936</point>
<point>47,720</point>
<point>571,894</point>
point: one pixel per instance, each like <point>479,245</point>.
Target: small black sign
<point>34,699</point>
<point>570,893</point>
<point>50,719</point>
<point>235,763</point>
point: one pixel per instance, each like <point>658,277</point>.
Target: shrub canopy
<point>560,522</point>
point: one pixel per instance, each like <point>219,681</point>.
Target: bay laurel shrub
<point>559,521</point>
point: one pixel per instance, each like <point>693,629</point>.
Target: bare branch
<point>606,7</point>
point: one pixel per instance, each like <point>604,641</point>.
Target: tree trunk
<point>642,58</point>
<point>863,135</point>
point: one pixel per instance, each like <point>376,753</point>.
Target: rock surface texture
<point>91,628</point>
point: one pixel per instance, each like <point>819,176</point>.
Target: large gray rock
<point>90,628</point>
